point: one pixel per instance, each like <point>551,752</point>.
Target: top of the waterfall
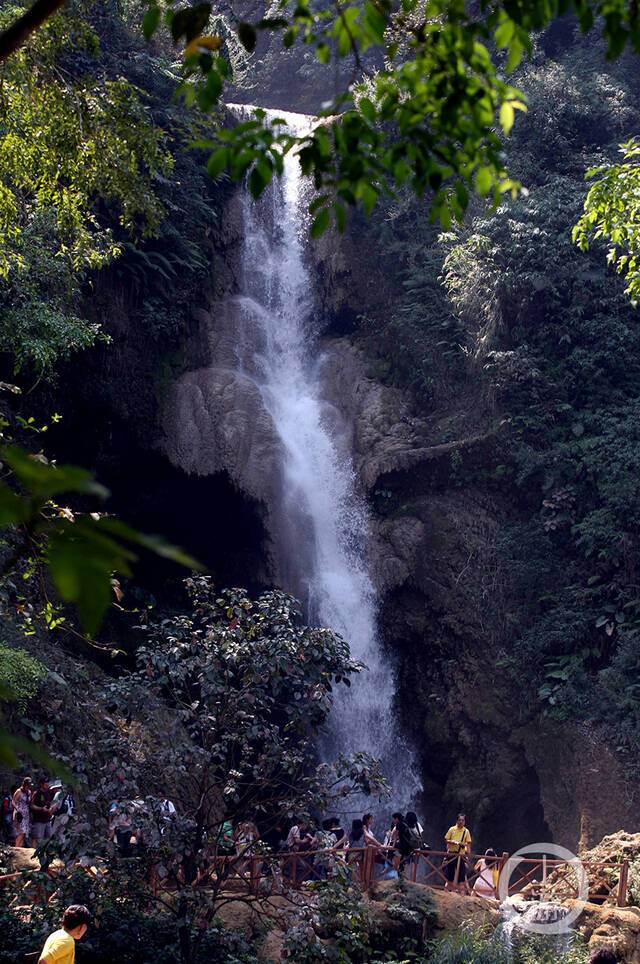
<point>299,123</point>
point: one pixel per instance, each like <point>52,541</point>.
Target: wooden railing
<point>536,878</point>
<point>560,880</point>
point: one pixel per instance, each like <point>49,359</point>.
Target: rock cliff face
<point>215,420</point>
<point>443,578</point>
<point>285,79</point>
<point>447,590</point>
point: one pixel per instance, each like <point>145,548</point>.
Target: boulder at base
<point>614,928</point>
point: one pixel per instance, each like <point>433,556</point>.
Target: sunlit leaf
<point>46,480</point>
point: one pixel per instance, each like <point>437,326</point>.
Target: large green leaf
<point>82,561</point>
<point>44,479</point>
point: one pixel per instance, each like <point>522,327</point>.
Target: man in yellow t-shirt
<point>458,843</point>
<point>60,947</point>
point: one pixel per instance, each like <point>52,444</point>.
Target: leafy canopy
<point>69,140</point>
<point>251,684</point>
<point>612,212</point>
<point>20,675</point>
<point>242,687</point>
<point>429,117</point>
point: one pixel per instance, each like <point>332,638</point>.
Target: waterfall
<point>318,519</point>
<point>540,922</point>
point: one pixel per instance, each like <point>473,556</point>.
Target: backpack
<point>415,838</point>
<point>67,806</point>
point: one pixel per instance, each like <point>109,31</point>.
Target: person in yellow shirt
<point>60,947</point>
<point>458,843</point>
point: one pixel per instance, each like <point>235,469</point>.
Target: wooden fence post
<point>623,884</point>
<point>501,866</point>
<point>368,865</point>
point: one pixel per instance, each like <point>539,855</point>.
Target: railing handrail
<point>292,861</point>
<point>366,858</point>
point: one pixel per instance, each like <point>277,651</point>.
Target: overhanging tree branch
<point>14,36</point>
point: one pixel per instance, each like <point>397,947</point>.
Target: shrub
<point>20,676</point>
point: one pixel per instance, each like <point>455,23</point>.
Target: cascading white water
<point>322,530</point>
<point>258,410</point>
<point>519,920</point>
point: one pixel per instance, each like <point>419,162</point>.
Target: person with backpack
<point>415,840</point>
<point>7,835</point>
<point>415,831</point>
<point>63,808</point>
<point>401,842</point>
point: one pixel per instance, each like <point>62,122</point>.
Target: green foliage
<point>407,124</point>
<point>334,928</point>
<point>135,938</point>
<point>416,343</point>
<point>80,162</point>
<point>120,931</point>
<point>39,325</point>
<point>477,947</point>
<point>429,118</point>
<point>252,684</point>
<point>616,703</point>
<point>611,211</point>
<point>20,676</point>
<point>69,139</point>
<point>82,551</point>
<point>338,925</point>
<point>559,350</point>
<point>545,348</point>
<point>468,947</point>
<point>118,209</point>
<point>242,686</point>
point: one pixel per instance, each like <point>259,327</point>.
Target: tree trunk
<point>21,29</point>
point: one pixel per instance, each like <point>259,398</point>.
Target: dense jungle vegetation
<point>112,188</point>
<point>551,336</point>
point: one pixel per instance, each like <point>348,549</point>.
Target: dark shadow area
<point>206,515</point>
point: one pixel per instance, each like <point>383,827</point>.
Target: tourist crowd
<point>31,816</point>
<point>304,850</point>
<point>315,851</point>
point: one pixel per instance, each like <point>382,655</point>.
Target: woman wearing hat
<point>22,812</point>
